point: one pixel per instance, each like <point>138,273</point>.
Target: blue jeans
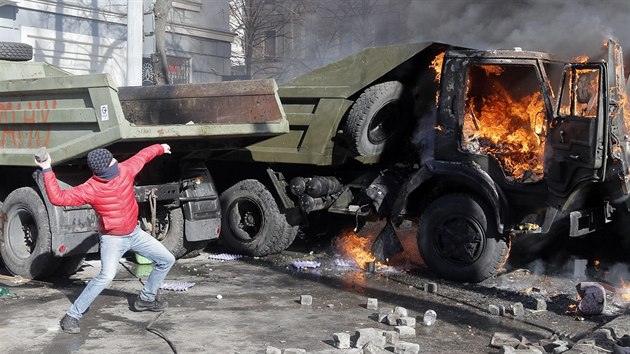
<point>112,249</point>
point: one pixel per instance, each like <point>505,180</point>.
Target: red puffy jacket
<point>114,201</point>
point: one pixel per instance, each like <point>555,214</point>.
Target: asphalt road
<point>259,306</point>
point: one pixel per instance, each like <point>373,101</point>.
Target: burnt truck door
<point>576,142</point>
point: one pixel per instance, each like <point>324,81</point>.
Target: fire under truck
<point>474,147</point>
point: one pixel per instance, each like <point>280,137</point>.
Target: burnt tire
<point>15,51</point>
<point>251,222</point>
<point>377,117</point>
<point>26,241</point>
<point>170,229</point>
<point>458,239</point>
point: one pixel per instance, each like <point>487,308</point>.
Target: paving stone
<point>502,310</point>
<point>493,309</point>
<point>500,339</point>
<point>406,321</point>
<point>539,302</point>
<point>369,335</point>
<point>306,300</point>
<point>405,331</point>
<point>383,312</point>
<point>341,340</point>
<point>517,309</point>
<point>371,348</point>
<point>372,303</point>
<point>560,349</point>
<point>273,350</point>
<point>506,349</point>
<point>401,311</point>
<point>431,287</point>
<point>294,351</point>
<point>392,319</point>
<point>391,337</point>
<point>406,348</point>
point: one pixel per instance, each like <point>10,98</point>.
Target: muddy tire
<point>251,220</point>
<point>170,230</point>
<point>458,239</point>
<point>26,241</point>
<point>377,117</point>
<point>15,51</point>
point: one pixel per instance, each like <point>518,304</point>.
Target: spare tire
<point>15,51</point>
<point>377,117</point>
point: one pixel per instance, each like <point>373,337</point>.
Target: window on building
<point>269,50</point>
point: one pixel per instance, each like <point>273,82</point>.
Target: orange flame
<point>436,65</point>
<point>352,246</point>
<point>625,290</point>
<point>580,59</point>
<point>505,127</point>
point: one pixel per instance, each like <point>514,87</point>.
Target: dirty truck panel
<point>42,106</point>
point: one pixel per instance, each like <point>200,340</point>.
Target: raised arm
<point>137,161</point>
<point>65,197</point>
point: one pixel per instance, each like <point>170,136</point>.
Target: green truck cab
<point>477,148</point>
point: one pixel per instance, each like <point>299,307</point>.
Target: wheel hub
<point>460,240</point>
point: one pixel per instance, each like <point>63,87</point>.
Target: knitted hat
<point>99,159</point>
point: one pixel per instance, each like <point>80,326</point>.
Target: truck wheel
<point>15,51</point>
<point>252,222</point>
<point>376,118</point>
<point>169,229</point>
<point>26,242</point>
<point>458,240</point>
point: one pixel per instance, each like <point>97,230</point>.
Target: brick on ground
<point>493,309</point>
<point>369,335</point>
<point>294,351</point>
<point>371,348</point>
<point>273,350</point>
<point>401,311</point>
<point>383,313</point>
<point>391,337</point>
<point>341,340</point>
<point>306,300</point>
<point>392,319</point>
<point>406,348</point>
<point>517,309</point>
<point>500,339</point>
<point>406,321</point>
<point>372,303</point>
<point>405,331</point>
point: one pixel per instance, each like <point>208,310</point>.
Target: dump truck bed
<point>71,115</point>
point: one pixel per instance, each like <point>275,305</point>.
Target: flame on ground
<point>352,246</point>
<point>436,65</point>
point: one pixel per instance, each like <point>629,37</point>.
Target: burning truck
<point>475,147</point>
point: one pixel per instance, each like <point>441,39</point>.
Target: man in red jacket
<point>110,193</point>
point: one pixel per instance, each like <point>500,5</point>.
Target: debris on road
<point>372,304</point>
<point>341,340</point>
<point>593,298</point>
<point>306,300</point>
<point>405,331</point>
<point>406,348</point>
<point>225,257</point>
<point>177,286</point>
<point>429,318</point>
<point>305,264</point>
<point>369,335</point>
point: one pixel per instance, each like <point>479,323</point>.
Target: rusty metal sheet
<point>235,102</point>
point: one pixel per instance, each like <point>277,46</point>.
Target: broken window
<point>580,93</point>
<point>504,118</point>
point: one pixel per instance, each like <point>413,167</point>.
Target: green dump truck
<point>474,147</point>
<point>41,105</point>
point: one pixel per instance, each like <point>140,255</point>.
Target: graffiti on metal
<point>28,115</point>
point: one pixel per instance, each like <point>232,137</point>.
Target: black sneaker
<point>155,305</point>
<point>70,324</point>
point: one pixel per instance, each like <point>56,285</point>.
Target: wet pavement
<point>259,306</point>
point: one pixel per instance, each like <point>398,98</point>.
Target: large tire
<point>26,241</point>
<point>458,239</point>
<point>15,51</point>
<point>377,117</point>
<point>170,229</point>
<point>251,221</point>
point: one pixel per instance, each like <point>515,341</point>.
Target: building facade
<point>90,36</point>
